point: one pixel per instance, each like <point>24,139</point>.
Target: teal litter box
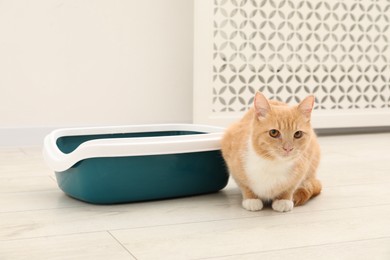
<point>107,165</point>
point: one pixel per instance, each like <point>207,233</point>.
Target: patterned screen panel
<point>337,50</point>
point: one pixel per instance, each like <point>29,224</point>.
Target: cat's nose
<point>288,147</point>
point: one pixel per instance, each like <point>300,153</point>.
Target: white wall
<point>93,62</point>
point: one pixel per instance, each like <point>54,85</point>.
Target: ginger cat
<point>272,153</point>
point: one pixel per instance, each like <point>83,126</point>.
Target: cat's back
<point>235,138</point>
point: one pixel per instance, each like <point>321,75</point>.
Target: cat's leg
<point>283,202</point>
<point>249,200</point>
<point>309,188</point>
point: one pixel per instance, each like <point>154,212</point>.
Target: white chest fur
<point>266,177</point>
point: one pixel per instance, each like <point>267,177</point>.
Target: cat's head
<point>280,131</point>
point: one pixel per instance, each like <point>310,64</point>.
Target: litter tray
<point>107,165</point>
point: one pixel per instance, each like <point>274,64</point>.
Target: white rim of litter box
<point>116,147</point>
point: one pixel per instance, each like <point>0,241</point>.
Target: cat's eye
<point>298,134</point>
<point>274,133</point>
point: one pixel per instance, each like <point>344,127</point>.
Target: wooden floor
<point>349,220</point>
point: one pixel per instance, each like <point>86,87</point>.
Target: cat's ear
<point>306,106</point>
<point>262,106</point>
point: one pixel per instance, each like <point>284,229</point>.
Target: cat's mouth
<point>287,154</point>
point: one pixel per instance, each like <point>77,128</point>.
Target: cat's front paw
<point>252,204</point>
<point>282,205</point>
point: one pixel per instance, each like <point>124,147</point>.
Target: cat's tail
<point>308,189</point>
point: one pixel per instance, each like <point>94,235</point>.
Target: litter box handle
<point>53,156</point>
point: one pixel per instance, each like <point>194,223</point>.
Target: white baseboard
<point>23,136</point>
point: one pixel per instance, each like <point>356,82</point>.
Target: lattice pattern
<point>337,50</point>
